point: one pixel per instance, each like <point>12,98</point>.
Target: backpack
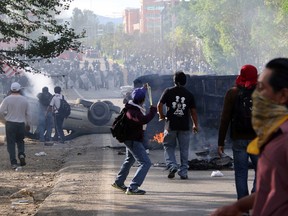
<point>241,120</point>
<point>45,98</point>
<point>119,126</point>
<point>64,109</point>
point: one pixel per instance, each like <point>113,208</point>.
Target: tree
<point>88,21</point>
<point>234,33</point>
<point>31,25</point>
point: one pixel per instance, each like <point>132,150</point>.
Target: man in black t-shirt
<point>45,119</point>
<point>181,107</point>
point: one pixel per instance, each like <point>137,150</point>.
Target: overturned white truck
<point>86,118</point>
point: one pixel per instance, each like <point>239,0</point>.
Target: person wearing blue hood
<point>135,150</point>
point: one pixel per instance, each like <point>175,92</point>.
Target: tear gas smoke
<point>38,81</point>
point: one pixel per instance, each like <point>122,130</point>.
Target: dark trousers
<point>58,119</point>
<point>15,134</point>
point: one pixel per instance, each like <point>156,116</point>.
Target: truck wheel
<point>112,107</point>
<point>99,113</point>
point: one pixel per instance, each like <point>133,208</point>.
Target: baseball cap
<point>138,94</point>
<point>15,87</point>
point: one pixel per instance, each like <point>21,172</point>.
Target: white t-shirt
<point>55,102</point>
<point>15,108</point>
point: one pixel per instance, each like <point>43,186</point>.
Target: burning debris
<point>159,138</point>
<point>207,156</point>
<point>197,164</point>
<point>208,161</point>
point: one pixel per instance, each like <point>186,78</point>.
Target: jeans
<point>170,143</point>
<point>58,120</point>
<point>45,123</point>
<point>145,140</point>
<point>15,133</point>
<point>49,126</point>
<point>241,159</point>
<point>134,151</point>
<point>41,126</point>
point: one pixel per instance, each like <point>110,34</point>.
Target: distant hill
<point>104,20</point>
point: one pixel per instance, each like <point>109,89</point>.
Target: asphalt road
<point>84,186</point>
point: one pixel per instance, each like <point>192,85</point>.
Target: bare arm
<point>226,116</point>
<point>49,109</point>
<point>28,115</point>
<point>160,111</point>
<point>3,111</point>
<point>243,205</point>
<point>195,120</point>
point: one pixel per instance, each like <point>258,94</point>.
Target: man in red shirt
<point>269,120</point>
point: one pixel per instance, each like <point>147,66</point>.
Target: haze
<point>108,8</point>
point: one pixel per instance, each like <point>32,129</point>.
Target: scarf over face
<point>267,117</point>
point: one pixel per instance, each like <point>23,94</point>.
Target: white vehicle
<point>86,118</point>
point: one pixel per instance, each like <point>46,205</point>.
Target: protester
<point>269,120</point>
<point>180,106</point>
<point>145,142</point>
<point>45,119</point>
<point>135,150</point>
<point>237,113</point>
<point>58,119</point>
<point>15,110</point>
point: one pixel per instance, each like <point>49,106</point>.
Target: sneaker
<point>14,166</point>
<point>22,160</point>
<point>172,172</point>
<point>122,187</point>
<point>135,191</point>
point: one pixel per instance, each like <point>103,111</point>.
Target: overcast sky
<point>110,8</point>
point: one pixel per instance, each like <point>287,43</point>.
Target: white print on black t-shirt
<point>179,105</point>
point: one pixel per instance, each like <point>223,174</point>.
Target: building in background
<point>149,18</point>
<point>131,20</point>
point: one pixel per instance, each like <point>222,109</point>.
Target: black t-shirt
<point>44,98</point>
<point>178,101</point>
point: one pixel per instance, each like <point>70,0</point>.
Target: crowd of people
<point>101,73</point>
<point>88,74</point>
<point>73,73</point>
<point>139,65</point>
<point>266,145</point>
<point>15,111</point>
<point>269,120</point>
